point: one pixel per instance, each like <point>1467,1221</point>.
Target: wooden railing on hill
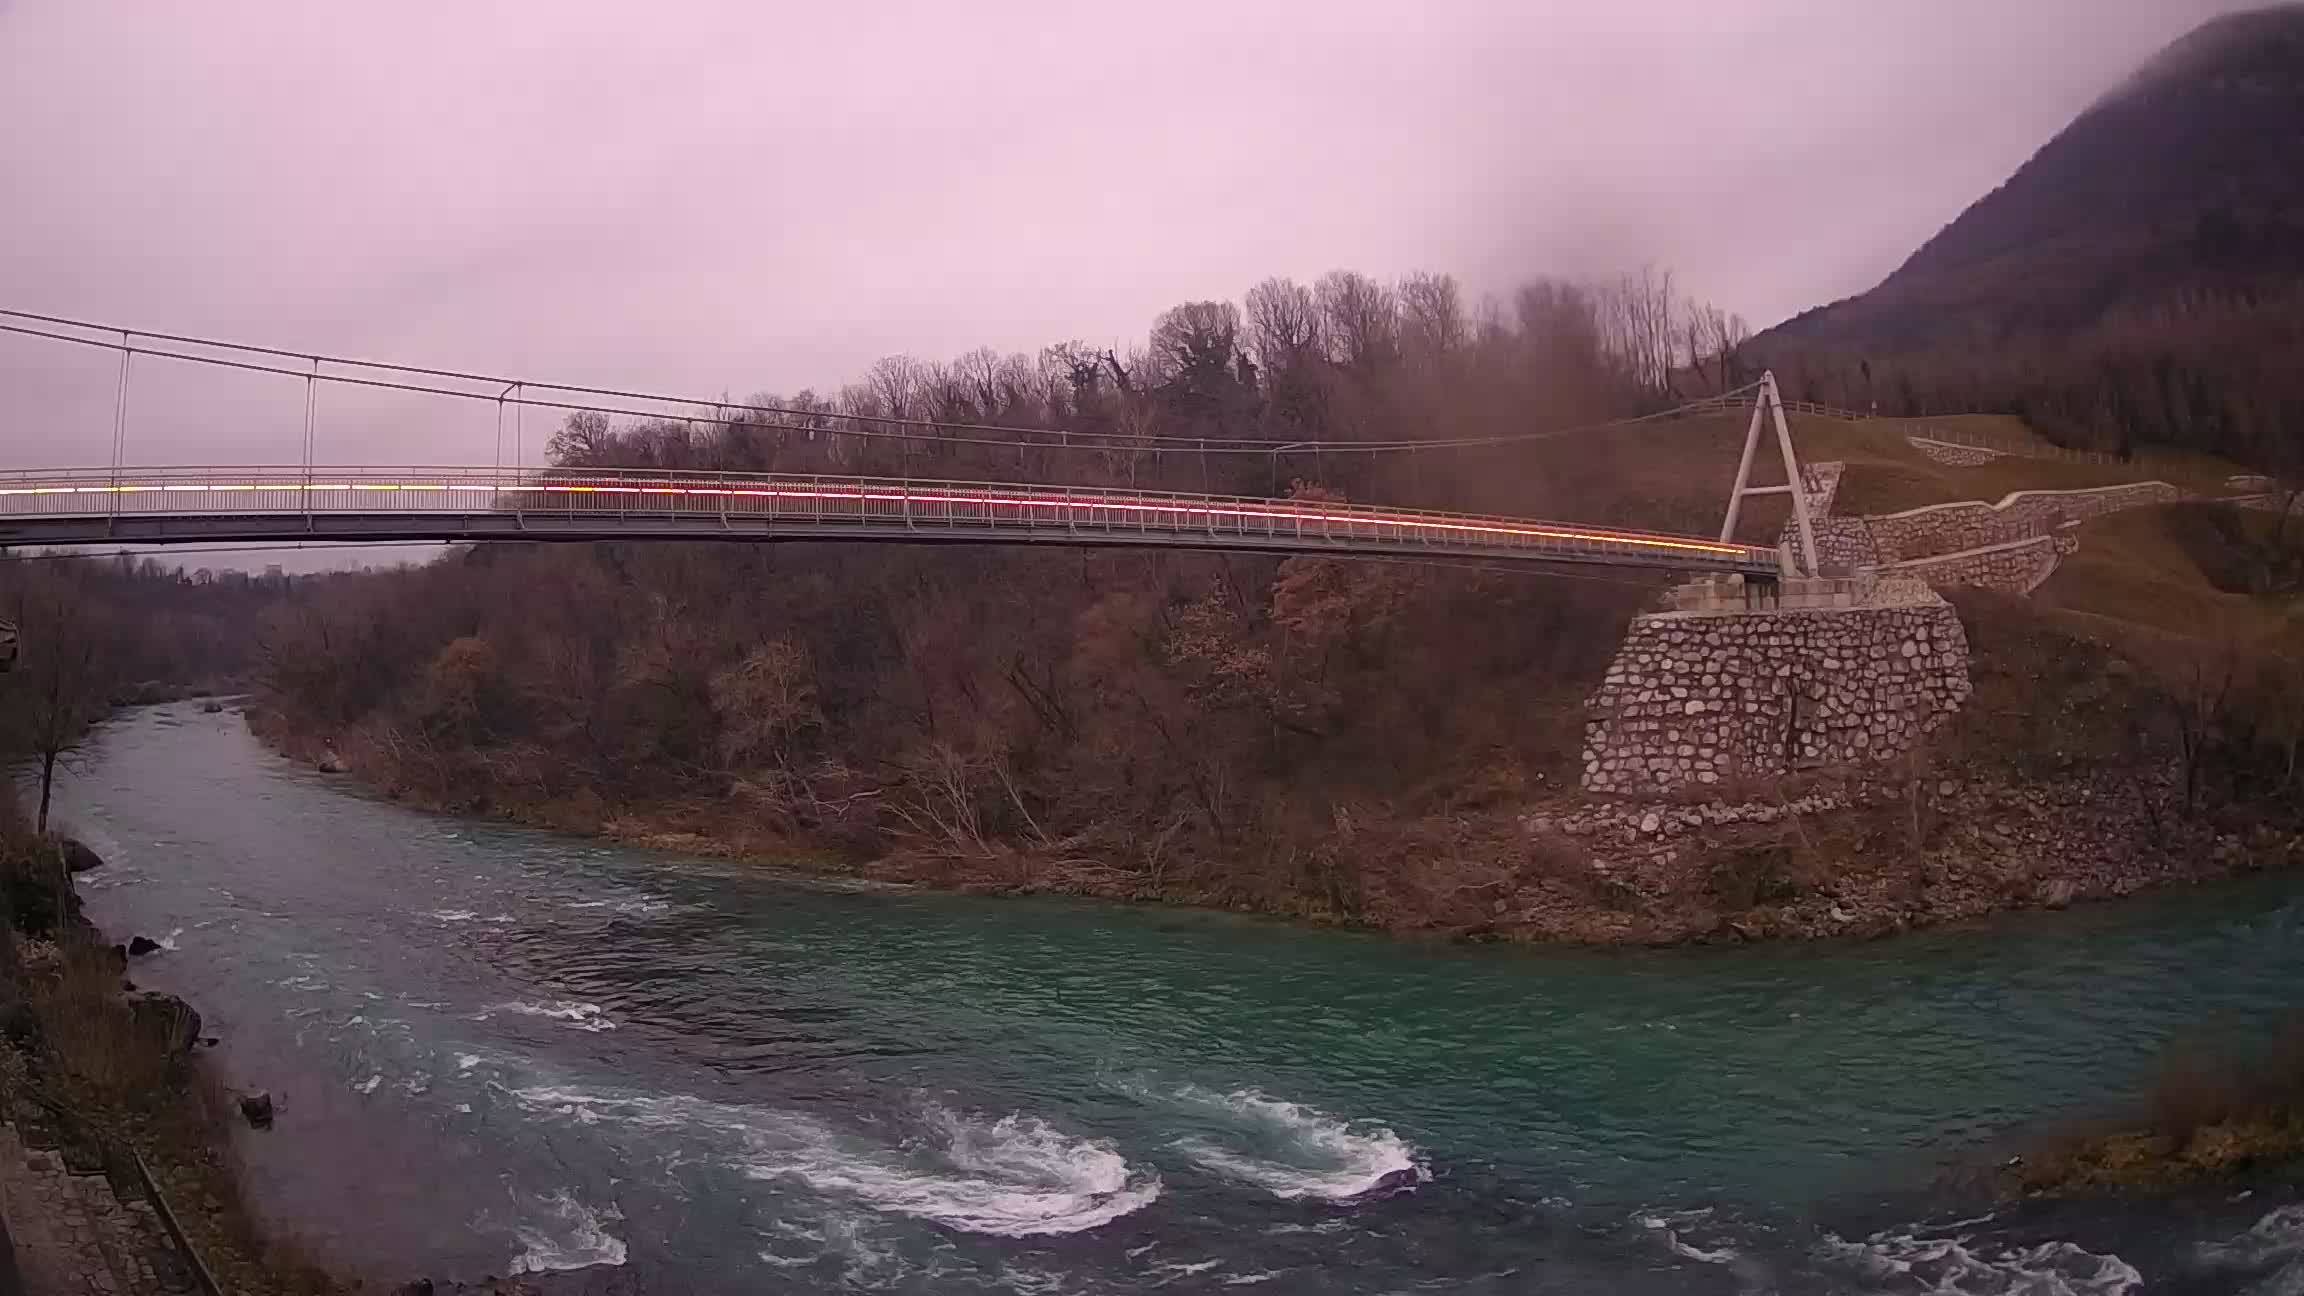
<point>1741,403</point>
<point>2013,447</point>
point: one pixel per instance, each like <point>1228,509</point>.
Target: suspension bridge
<point>120,503</point>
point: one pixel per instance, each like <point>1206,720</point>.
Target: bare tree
<point>1728,342</point>
<point>899,383</point>
<point>765,702</point>
<point>1283,325</point>
<point>1283,328</point>
<point>1712,340</point>
<point>1432,320</point>
<point>60,685</point>
<point>1076,370</point>
<point>2203,709</point>
<point>1636,326</point>
<point>1559,325</point>
<point>1195,345</point>
<point>1360,320</point>
<point>583,441</point>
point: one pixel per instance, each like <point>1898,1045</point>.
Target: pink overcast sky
<point>768,196</point>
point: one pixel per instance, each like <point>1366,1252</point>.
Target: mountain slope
<point>2140,279</point>
<point>2187,178</point>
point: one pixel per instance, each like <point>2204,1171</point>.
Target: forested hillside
<point>1221,726</point>
<point>2141,279</point>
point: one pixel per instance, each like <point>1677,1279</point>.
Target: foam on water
<point>451,915</point>
<point>582,1016</point>
<point>642,906</point>
<point>2272,1249</point>
<point>866,1258</point>
<point>564,1233</point>
<point>1669,1229</point>
<point>1908,1262</point>
<point>1016,1176</point>
<point>2287,1280</point>
<point>1293,1151</point>
<point>1024,1281</point>
<point>1164,1274</point>
<point>2277,1236</point>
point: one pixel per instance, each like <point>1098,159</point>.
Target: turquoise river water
<point>497,1049</point>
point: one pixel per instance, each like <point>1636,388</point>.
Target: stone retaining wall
<point>1820,482</point>
<point>1845,542</point>
<point>2016,567</point>
<point>1952,454</point>
<point>1840,542</point>
<point>1947,528</point>
<point>1698,698</point>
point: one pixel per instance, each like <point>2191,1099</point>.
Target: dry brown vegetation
<point>2206,1114</point>
<point>1231,729</point>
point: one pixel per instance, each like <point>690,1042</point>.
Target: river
<point>497,1049</point>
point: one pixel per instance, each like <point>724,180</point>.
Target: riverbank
<point>1831,856</point>
<point>101,1078</point>
<point>118,1174</point>
<point>2209,1116</point>
<point>2066,779</point>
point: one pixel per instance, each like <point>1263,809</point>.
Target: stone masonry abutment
<point>1708,696</point>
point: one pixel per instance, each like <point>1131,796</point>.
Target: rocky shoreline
<point>1915,852</point>
<point>129,1189</point>
<point>1853,854</point>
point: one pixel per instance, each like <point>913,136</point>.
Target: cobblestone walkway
<point>77,1233</point>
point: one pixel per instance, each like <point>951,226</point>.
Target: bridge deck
<point>177,505</point>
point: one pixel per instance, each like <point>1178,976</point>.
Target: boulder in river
<point>257,1107</point>
<point>174,1022</point>
<point>142,945</point>
<point>77,857</point>
<point>1391,1184</point>
<point>330,762</point>
<point>212,708</point>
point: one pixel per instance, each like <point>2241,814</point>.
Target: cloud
<point>735,197</point>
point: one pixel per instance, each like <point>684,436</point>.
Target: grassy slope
<point>1675,475</point>
<point>2141,580</point>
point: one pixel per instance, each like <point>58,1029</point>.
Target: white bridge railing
<point>160,505</point>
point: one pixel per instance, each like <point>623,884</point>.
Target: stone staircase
<point>80,1219</point>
